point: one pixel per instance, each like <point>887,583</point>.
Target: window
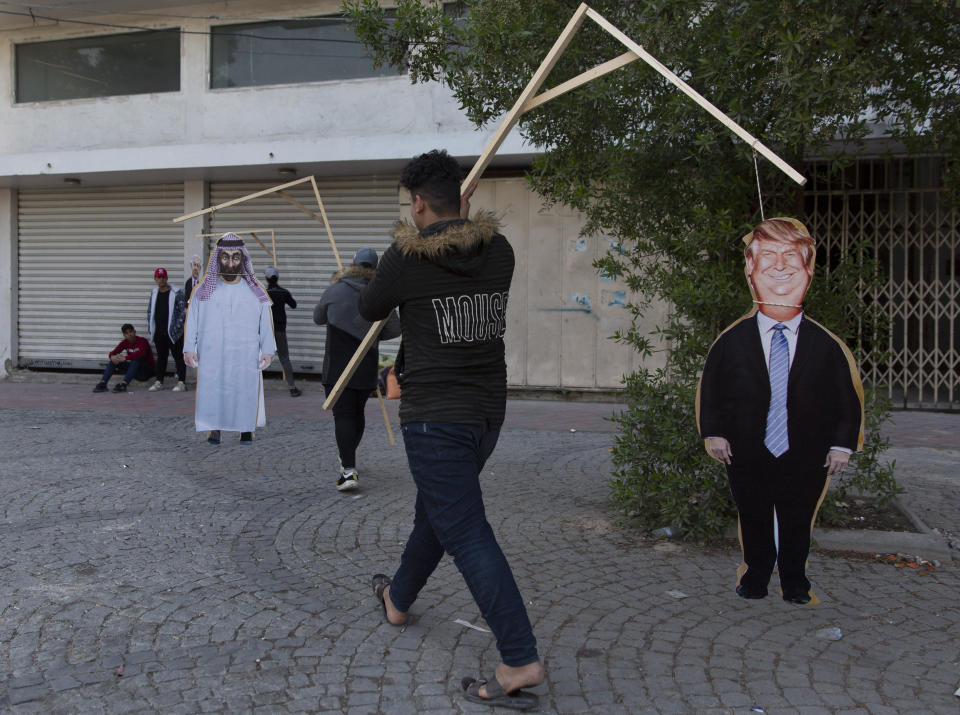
<point>131,63</point>
<point>288,52</point>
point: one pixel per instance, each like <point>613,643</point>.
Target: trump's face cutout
<point>778,272</point>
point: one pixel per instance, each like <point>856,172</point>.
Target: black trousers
<point>792,489</point>
<point>349,423</point>
<point>164,346</point>
<point>283,355</point>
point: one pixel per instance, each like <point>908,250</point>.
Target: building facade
<point>893,209</point>
<point>119,115</point>
<point>118,121</point>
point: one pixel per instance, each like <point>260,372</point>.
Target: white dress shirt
<point>765,323</point>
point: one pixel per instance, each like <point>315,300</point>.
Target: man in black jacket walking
<point>450,277</point>
<point>281,298</point>
<point>338,310</point>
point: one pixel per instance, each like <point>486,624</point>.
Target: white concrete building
<point>119,115</point>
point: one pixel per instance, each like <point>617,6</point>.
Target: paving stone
<point>16,696</point>
<point>24,680</point>
<point>189,568</point>
<point>63,683</point>
<point>571,704</point>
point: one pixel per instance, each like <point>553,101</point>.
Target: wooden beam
<point>300,206</point>
<point>386,419</point>
<point>529,91</point>
<point>239,233</point>
<point>354,363</point>
<point>326,223</point>
<point>242,199</point>
<point>322,219</point>
<point>264,247</point>
<point>581,79</point>
<point>751,140</point>
<point>273,240</point>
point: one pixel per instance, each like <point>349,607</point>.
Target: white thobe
<point>230,332</point>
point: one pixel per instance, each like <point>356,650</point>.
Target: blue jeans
<point>131,373</point>
<point>446,461</point>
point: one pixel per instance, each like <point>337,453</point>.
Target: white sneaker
<point>156,386</point>
<point>348,481</point>
<point>180,387</point>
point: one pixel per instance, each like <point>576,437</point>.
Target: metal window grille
<point>896,210</point>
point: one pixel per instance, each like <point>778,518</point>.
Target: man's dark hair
<point>127,326</point>
<point>435,177</point>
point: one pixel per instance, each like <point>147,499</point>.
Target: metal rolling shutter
<point>361,212</point>
<point>86,262</point>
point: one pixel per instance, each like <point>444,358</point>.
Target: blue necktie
<point>775,438</point>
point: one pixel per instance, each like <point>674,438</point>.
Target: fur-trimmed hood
<point>339,303</point>
<point>363,274</point>
<point>458,245</point>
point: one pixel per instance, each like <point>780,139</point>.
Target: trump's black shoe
<point>801,598</point>
<point>744,591</point>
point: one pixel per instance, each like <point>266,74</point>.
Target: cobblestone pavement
<point>145,571</point>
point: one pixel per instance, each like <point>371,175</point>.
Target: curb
<point>928,546</point>
<point>273,382</point>
<point>926,543</point>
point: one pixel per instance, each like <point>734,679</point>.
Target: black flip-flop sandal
<point>497,696</point>
<point>380,583</point>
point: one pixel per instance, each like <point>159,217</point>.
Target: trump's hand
<point>836,461</point>
<point>720,449</point>
<point>191,359</point>
<point>265,361</point>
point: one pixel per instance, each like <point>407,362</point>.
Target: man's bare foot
<point>394,616</point>
<point>512,679</point>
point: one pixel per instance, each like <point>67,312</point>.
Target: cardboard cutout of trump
<point>229,339</point>
<point>780,403</point>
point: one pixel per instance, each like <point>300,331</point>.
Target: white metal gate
<point>361,212</point>
<point>85,267</point>
<point>898,207</point>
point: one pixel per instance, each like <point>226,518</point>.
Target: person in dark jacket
<point>166,313</point>
<point>338,310</point>
<point>132,356</point>
<point>451,277</point>
<point>281,298</point>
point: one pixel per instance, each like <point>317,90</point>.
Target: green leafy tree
<point>648,166</point>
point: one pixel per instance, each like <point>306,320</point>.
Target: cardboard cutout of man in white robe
<point>229,339</point>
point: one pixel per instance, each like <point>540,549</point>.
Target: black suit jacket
<point>824,394</point>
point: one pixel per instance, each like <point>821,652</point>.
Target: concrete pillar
<point>8,281</point>
<point>194,199</point>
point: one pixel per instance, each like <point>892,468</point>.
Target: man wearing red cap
<point>165,315</point>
